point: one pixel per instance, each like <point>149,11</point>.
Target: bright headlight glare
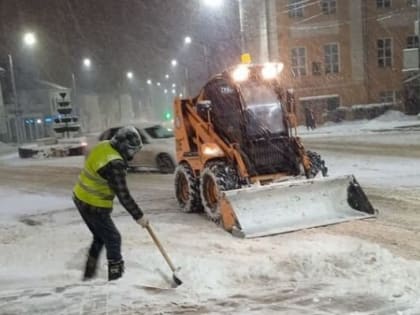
<point>212,149</point>
<point>271,70</point>
<point>240,74</point>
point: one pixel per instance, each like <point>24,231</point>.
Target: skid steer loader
<point>241,162</point>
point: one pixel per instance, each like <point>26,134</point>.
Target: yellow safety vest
<point>91,188</point>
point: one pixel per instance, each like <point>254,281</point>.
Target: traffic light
<point>168,115</point>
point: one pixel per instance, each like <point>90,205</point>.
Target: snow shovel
<point>177,281</point>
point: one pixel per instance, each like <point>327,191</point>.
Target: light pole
<point>188,41</point>
<point>418,32</point>
<point>174,63</point>
<point>87,64</point>
<point>29,39</point>
<point>18,114</point>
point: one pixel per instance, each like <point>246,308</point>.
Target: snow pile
<point>389,120</point>
<point>341,128</point>
<point>393,115</point>
<point>353,266</point>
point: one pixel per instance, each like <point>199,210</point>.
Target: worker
<point>104,176</point>
<point>310,118</point>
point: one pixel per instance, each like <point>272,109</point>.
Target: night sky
<point>118,35</point>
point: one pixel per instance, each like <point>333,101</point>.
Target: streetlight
<point>130,75</point>
<point>174,63</point>
<point>87,63</point>
<point>29,39</point>
<point>213,3</point>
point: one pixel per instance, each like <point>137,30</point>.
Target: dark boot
<point>115,269</point>
<point>90,268</point>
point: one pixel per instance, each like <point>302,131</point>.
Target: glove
<point>143,221</point>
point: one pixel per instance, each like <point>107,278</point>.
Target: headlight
<point>271,70</point>
<point>212,150</point>
<point>241,73</point>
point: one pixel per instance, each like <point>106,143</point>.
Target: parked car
<point>158,150</point>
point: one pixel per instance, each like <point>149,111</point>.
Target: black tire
<point>215,178</point>
<point>317,165</point>
<point>165,164</point>
<point>187,190</point>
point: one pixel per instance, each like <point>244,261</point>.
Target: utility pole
<point>206,58</point>
<point>74,94</point>
<point>418,34</point>
<point>18,120</point>
<point>242,26</point>
<point>271,30</point>
<point>187,83</point>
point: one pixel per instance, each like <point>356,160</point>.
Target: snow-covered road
<point>360,267</point>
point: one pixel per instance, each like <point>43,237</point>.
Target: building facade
<point>339,53</point>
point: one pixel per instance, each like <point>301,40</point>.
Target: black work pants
<point>103,229</point>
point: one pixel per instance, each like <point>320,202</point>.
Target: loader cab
<point>247,110</point>
<point>262,109</point>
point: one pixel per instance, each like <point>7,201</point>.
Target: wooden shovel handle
<point>159,245</point>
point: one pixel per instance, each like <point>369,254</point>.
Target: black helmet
<point>127,142</point>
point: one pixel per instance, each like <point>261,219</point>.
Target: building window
<point>411,3</point>
<point>332,60</point>
<point>316,68</point>
<point>413,42</point>
<point>333,103</point>
<point>383,4</point>
<point>384,52</point>
<point>328,6</point>
<point>295,8</point>
<point>299,61</point>
<point>386,97</point>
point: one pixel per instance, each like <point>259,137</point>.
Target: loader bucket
<point>293,205</point>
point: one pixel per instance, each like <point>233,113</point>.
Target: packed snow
<point>43,242</point>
